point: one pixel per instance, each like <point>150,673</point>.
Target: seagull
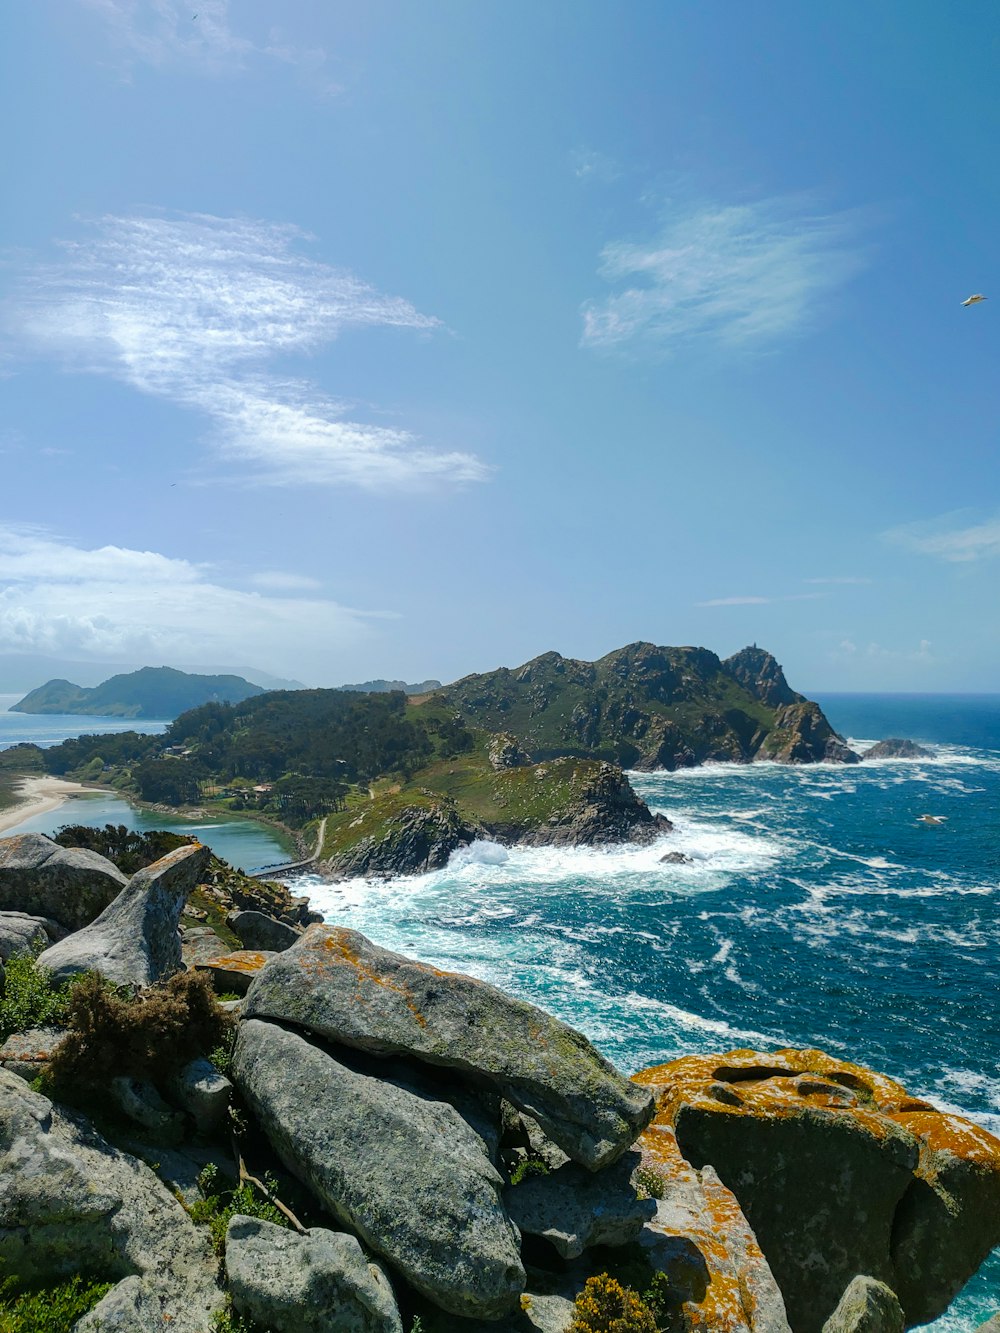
<point>933,819</point>
<point>974,299</point>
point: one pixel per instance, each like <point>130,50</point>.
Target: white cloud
<point>190,308</point>
<point>951,537</point>
<point>113,603</point>
<point>739,275</point>
<point>763,601</point>
<point>195,34</point>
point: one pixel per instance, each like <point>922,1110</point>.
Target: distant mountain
<point>384,686</point>
<point>651,707</point>
<point>151,692</point>
<point>21,672</point>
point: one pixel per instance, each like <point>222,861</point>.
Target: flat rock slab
<point>839,1172</point>
<point>339,985</point>
<point>199,944</point>
<point>69,884</point>
<point>234,971</point>
<point>27,1054</point>
<point>70,1202</point>
<point>134,941</point>
<point>321,1282</point>
<point>405,1173</point>
<point>574,1209</point>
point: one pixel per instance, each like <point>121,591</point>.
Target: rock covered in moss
<point>135,941</point>
<point>321,1282</point>
<point>339,985</point>
<point>69,884</point>
<point>839,1172</point>
<point>609,810</point>
<point>802,735</point>
<point>412,840</point>
<point>406,1173</point>
<point>85,1206</point>
<point>867,1306</point>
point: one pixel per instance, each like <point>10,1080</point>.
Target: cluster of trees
<point>127,848</point>
<point>307,746</point>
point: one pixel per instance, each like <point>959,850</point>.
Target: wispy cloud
<point>191,308</point>
<point>763,601</point>
<point>113,603</point>
<point>847,579</point>
<point>739,275</point>
<point>922,653</point>
<point>195,34</point>
<point>952,537</point>
<point>590,165</point>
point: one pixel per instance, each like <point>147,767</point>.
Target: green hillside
<point>152,692</point>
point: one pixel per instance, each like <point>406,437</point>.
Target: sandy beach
<point>37,796</point>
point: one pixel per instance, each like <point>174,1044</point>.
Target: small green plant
<point>529,1166</point>
<point>53,1309</point>
<point>222,1055</point>
<point>228,1322</point>
<point>216,1207</point>
<point>605,1306</point>
<point>649,1183</point>
<point>30,1000</point>
<point>146,1035</point>
<point>418,1325</point>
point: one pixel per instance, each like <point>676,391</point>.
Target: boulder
<point>256,930</point>
<point>867,1306</point>
<point>27,1054</point>
<point>318,1283</point>
<point>204,1093</point>
<point>135,941</point>
<point>21,933</point>
<point>336,983</point>
<point>404,1172</point>
<point>718,1276</point>
<point>233,972</point>
<point>69,884</point>
<point>70,1202</point>
<point>574,1209</point>
<point>839,1172</point>
<point>896,748</point>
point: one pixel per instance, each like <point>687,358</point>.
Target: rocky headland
<point>365,1142</point>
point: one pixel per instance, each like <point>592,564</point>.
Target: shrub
<point>216,1207</point>
<point>529,1166</point>
<point>605,1306</point>
<point>49,1309</point>
<point>30,1000</point>
<point>649,1182</point>
<point>148,1035</point>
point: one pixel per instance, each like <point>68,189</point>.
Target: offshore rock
<point>609,811</point>
<point>574,1209</point>
<point>135,942</point>
<point>317,1283</point>
<point>70,1202</point>
<point>405,1172</point>
<point>340,985</point>
<point>867,1306</point>
<point>896,748</point>
<point>802,735</point>
<point>839,1172</point>
<point>69,884</point>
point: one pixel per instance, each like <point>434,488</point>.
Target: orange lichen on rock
<point>337,942</point>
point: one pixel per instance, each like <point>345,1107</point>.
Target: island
<point>151,692</point>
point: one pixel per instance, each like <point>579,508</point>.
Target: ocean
<point>817,910</point>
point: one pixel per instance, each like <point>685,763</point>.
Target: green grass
<point>217,1206</point>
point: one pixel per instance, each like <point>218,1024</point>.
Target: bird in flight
<point>974,299</point>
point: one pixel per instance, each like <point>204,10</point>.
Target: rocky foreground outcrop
<point>839,1172</point>
<point>468,1158</point>
<point>68,884</point>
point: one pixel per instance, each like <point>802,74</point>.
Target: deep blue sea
<point>817,911</point>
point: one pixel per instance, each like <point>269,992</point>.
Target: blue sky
<point>348,340</point>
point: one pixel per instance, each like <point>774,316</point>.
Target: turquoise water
<point>817,911</point>
<point>242,842</point>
